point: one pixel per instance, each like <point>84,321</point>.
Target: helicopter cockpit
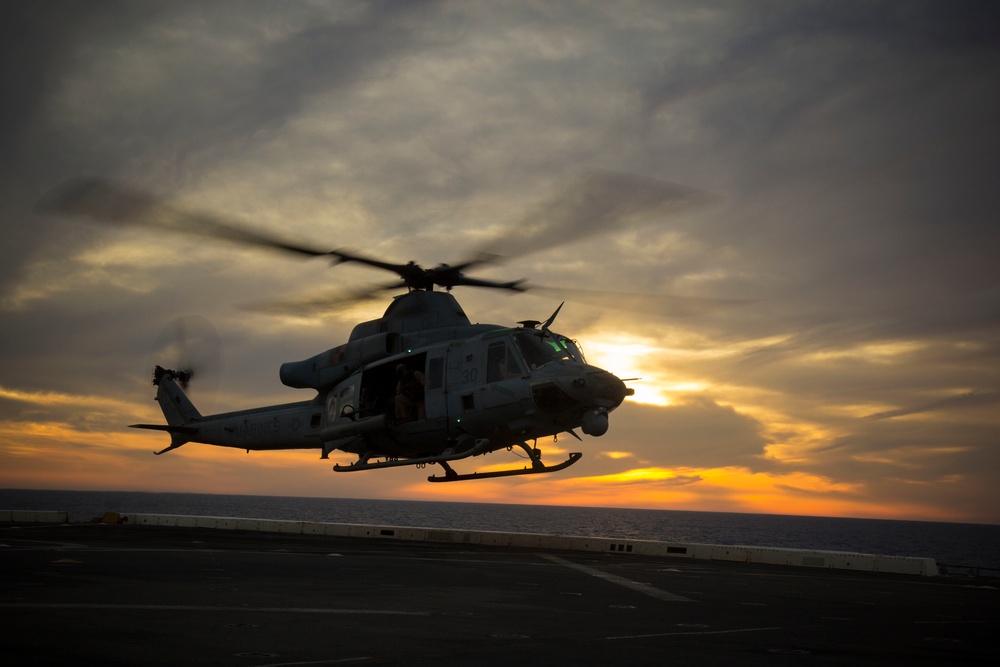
<point>542,347</point>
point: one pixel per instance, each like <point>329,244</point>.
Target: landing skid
<point>481,447</point>
<point>537,467</point>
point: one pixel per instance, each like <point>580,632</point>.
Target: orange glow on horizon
<point>729,489</point>
<point>56,454</point>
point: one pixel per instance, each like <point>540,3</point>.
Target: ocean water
<point>955,545</point>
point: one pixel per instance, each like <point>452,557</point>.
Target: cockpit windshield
<point>540,348</point>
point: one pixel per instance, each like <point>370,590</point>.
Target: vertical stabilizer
<point>176,406</point>
<point>182,417</point>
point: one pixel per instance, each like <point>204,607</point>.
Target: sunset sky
<point>853,150</point>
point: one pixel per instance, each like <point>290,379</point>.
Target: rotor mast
<point>416,277</point>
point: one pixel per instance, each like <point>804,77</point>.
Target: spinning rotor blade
<point>106,201</point>
<point>595,201</point>
<point>342,256</point>
<point>663,305</point>
<point>321,304</point>
<point>415,276</point>
<point>190,345</point>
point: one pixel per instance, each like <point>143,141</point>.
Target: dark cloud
<point>968,400</point>
<point>694,433</point>
<point>171,87</point>
<point>917,452</point>
<point>874,127</point>
<point>794,50</point>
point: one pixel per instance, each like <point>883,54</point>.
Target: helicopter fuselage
<point>419,385</point>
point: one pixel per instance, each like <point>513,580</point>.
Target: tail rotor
<point>189,349</point>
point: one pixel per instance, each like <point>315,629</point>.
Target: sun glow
<point>630,361</point>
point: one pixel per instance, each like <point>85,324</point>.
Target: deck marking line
<point>702,632</point>
<point>645,589</point>
<point>182,607</point>
<point>332,661</point>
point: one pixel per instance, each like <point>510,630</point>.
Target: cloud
<point>693,432</point>
<point>829,324</point>
<point>971,399</point>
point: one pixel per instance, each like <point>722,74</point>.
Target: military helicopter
<point>421,385</point>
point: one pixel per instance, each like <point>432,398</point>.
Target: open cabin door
<point>382,392</point>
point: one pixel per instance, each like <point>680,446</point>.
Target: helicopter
<point>421,385</point>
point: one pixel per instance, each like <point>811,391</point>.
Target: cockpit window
<point>540,348</point>
<point>501,363</point>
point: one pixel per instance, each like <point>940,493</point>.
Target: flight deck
<point>128,593</point>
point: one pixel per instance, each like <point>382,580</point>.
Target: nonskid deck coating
<point>132,594</point>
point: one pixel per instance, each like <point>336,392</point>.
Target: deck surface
<point>128,595</point>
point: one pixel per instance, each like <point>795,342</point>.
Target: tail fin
<point>182,416</point>
<point>176,406</point>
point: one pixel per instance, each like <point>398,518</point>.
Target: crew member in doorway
<point>409,395</point>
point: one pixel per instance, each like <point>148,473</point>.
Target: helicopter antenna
<point>552,317</point>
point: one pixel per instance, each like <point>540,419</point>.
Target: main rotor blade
<point>662,305</point>
<point>321,304</point>
<point>509,285</point>
<point>107,201</point>
<point>342,256</point>
<point>593,202</point>
<point>417,277</point>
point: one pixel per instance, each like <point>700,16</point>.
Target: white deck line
<point>645,589</point>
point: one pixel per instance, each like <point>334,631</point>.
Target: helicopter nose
<point>607,387</point>
<point>594,391</point>
<point>608,391</point>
